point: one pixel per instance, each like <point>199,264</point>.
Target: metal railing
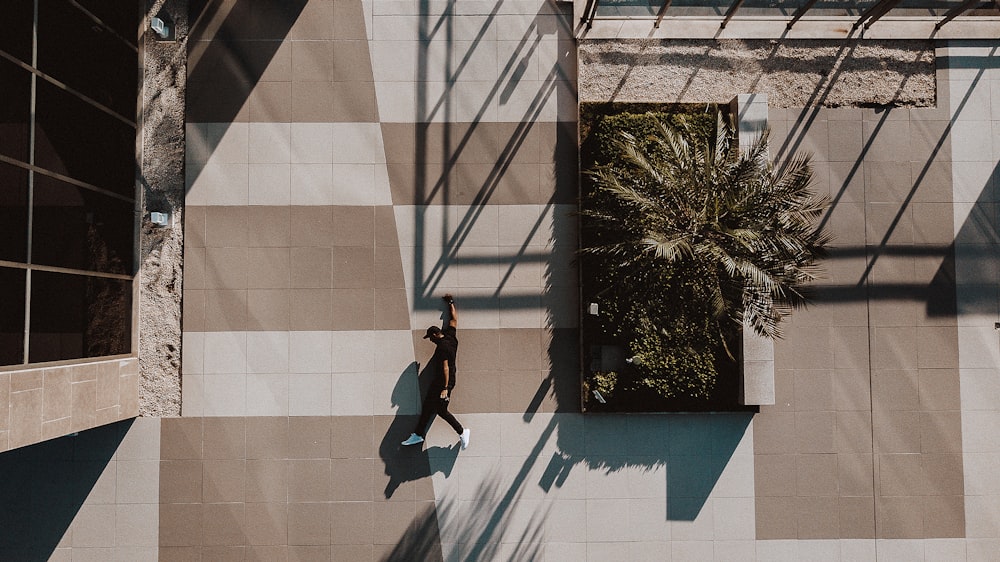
<point>869,12</point>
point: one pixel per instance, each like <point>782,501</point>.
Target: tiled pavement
<point>324,218</point>
<point>331,201</point>
<point>303,315</point>
<point>868,407</point>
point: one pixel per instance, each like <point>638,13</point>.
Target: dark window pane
<point>13,213</point>
<point>15,39</point>
<point>78,140</point>
<point>75,50</point>
<point>80,229</point>
<point>15,110</point>
<point>76,316</point>
<point>123,17</point>
<point>11,316</point>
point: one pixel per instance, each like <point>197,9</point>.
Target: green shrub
<point>659,316</point>
<point>605,382</point>
<point>685,239</point>
<point>663,319</point>
<point>599,143</point>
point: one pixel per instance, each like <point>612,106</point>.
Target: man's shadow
<point>408,463</point>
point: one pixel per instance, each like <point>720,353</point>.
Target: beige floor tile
<point>312,142</point>
<point>267,394</point>
<point>266,523</point>
<point>181,481</point>
<point>225,310</point>
<point>272,226</point>
<point>267,481</point>
<point>309,394</point>
<point>224,481</point>
<point>224,525</point>
<point>310,352</point>
<point>309,480</point>
<point>353,523</point>
<point>312,184</point>
<point>271,102</point>
<point>270,143</point>
<point>137,482</point>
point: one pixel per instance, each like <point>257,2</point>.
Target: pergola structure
<point>872,14</point>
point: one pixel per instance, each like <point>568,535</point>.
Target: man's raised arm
<point>452,314</point>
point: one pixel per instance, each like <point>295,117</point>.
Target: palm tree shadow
<point>409,463</point>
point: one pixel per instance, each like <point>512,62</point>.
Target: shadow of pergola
<point>508,514</point>
<point>691,476</point>
<point>455,137</point>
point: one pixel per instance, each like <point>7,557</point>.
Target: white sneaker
<point>465,438</point>
<point>413,439</point>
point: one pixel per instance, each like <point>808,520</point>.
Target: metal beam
<point>729,13</point>
<point>955,12</point>
<point>801,12</point>
<point>875,17</point>
<point>663,10</point>
<point>589,11</point>
<point>873,13</point>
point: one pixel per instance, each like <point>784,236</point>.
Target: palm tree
<point>688,228</point>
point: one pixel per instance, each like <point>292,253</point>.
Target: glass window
<point>105,70</point>
<point>11,316</point>
<point>17,23</point>
<point>78,140</point>
<point>13,213</point>
<point>76,316</point>
<point>15,111</point>
<point>81,112</point>
<point>78,228</point>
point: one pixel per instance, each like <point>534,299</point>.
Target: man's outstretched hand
<point>449,299</point>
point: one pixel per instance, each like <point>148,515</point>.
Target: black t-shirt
<point>447,350</point>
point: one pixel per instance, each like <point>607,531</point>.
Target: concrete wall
<point>45,403</point>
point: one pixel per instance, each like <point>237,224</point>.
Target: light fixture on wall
<point>160,27</point>
<point>160,219</point>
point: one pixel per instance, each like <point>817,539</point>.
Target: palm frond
<point>667,248</point>
<point>686,201</point>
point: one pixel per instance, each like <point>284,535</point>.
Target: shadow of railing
<point>230,45</point>
<point>455,138</point>
<point>939,293</point>
<point>689,453</point>
<point>509,512</point>
<point>478,538</point>
<point>45,485</point>
<point>422,541</point>
<point>695,450</point>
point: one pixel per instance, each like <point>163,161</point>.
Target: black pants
<point>434,404</point>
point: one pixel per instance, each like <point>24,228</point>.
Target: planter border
<point>755,378</point>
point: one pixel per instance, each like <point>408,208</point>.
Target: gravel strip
<point>793,73</point>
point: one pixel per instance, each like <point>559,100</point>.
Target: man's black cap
<point>433,330</point>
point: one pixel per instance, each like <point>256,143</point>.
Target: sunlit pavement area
<point>349,162</point>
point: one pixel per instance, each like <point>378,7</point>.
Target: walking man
<point>439,394</point>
